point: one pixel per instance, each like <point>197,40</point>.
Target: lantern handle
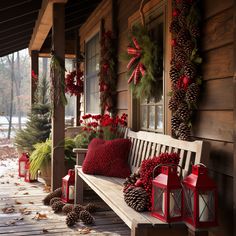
<point>200,164</point>
<point>168,164</point>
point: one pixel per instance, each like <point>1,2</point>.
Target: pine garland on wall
<point>107,74</point>
<point>185,66</point>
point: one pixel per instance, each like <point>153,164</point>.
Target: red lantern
<point>200,198</point>
<point>22,164</point>
<point>68,186</point>
<point>167,195</point>
<point>28,176</point>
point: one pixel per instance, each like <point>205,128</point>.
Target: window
<point>92,100</point>
<point>152,110</point>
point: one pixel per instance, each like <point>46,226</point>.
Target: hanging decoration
<point>57,74</point>
<point>74,83</point>
<point>107,75</point>
<point>185,66</point>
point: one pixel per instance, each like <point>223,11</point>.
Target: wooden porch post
<point>58,117</point>
<point>35,68</point>
<point>77,67</point>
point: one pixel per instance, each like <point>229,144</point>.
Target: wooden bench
<point>144,145</point>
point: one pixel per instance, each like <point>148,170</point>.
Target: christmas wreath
<point>107,75</point>
<point>184,72</point>
<point>145,62</point>
<point>74,84</point>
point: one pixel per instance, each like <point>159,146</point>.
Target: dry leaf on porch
<point>11,175</point>
<point>84,230</point>
<point>30,202</point>
<point>26,193</point>
<point>40,216</point>
<point>1,176</point>
<point>45,231</point>
<point>22,189</point>
<point>8,210</point>
<point>17,184</point>
<point>34,186</point>
<point>17,202</point>
<point>13,222</point>
<point>47,189</point>
<point>24,211</point>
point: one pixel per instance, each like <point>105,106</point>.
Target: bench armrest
<point>80,155</point>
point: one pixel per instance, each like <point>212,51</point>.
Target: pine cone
<point>71,219</point>
<point>56,193</point>
<point>195,31</point>
<point>55,199</point>
<point>192,94</point>
<point>183,38</point>
<point>86,217</point>
<point>173,104</point>
<point>67,208</point>
<point>190,70</point>
<point>78,208</point>
<point>183,132</point>
<point>137,198</point>
<point>183,111</point>
<point>178,95</point>
<point>179,56</point>
<point>57,206</point>
<point>90,207</point>
<point>182,20</point>
<point>184,7</point>
<point>132,179</point>
<point>188,49</point>
<point>174,27</point>
<point>175,122</point>
<point>174,74</point>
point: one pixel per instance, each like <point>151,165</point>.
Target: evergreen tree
<point>38,125</point>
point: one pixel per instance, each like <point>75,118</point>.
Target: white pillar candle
<point>171,204</point>
<point>71,192</point>
<point>203,210</point>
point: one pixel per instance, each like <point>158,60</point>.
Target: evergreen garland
<point>145,63</point>
<point>185,66</point>
<point>107,75</point>
<point>57,74</point>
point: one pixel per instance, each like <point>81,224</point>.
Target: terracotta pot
<point>45,173</point>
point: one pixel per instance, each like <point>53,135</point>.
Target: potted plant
<point>40,158</point>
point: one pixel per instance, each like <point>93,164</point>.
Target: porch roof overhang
<point>27,24</point>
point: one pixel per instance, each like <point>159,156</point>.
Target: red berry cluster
<point>147,167</point>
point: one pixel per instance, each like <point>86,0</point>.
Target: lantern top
<point>199,178</point>
<point>168,177</point>
<point>24,157</point>
<point>71,172</point>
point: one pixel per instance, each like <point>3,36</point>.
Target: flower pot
<point>45,173</point>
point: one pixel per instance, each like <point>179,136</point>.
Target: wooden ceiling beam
<point>43,25</point>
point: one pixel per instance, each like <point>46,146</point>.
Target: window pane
<point>152,117</point>
<point>91,78</point>
<point>160,117</point>
<point>144,117</point>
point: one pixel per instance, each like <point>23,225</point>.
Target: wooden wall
<point>214,120</point>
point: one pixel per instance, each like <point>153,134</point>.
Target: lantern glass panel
<point>64,189</point>
<point>159,200</point>
<point>189,200</point>
<point>206,206</point>
<point>175,203</point>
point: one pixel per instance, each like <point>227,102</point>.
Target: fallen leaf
<point>34,186</point>
<point>10,222</point>
<point>17,202</point>
<point>11,175</point>
<point>24,211</point>
<point>17,184</point>
<point>8,210</point>
<point>40,216</point>
<point>84,230</point>
<point>47,189</point>
<point>7,182</point>
<point>45,231</point>
<point>26,193</point>
<point>1,176</point>
<point>2,182</point>
<point>22,189</point>
<point>30,202</point>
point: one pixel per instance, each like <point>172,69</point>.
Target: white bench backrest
<point>146,145</point>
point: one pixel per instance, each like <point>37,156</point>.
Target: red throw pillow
<point>109,158</point>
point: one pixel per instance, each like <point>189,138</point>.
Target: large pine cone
<point>190,70</point>
<point>86,217</point>
<point>90,207</point>
<point>175,122</point>
<point>131,180</point>
<point>56,193</point>
<point>173,104</point>
<point>137,198</point>
<point>66,209</point>
<point>71,219</point>
<point>183,111</point>
<point>174,74</point>
<point>78,208</point>
<point>174,27</point>
<point>188,49</point>
<point>179,95</point>
<point>57,206</point>
<point>192,94</point>
<point>55,199</point>
<point>184,38</point>
<point>179,56</point>
<point>183,132</point>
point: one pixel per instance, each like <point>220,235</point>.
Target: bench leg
<point>79,188</point>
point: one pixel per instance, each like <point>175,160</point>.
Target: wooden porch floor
<point>26,201</point>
